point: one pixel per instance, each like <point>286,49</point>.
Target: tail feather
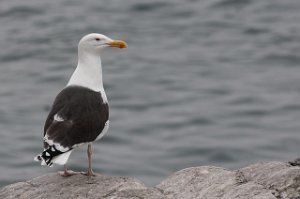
<point>46,157</point>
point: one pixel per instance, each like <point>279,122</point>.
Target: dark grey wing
<point>78,115</point>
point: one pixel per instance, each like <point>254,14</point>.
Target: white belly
<point>104,131</point>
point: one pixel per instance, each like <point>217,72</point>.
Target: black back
<point>84,115</point>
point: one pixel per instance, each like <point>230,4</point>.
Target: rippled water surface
<point>203,82</point>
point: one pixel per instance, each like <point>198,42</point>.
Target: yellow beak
<point>118,44</point>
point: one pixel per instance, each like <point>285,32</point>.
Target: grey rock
<point>77,186</point>
<point>211,182</point>
<point>269,180</point>
<point>282,178</point>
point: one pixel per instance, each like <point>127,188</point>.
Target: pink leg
<point>66,172</point>
<point>89,171</point>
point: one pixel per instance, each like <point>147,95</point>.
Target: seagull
<point>80,112</point>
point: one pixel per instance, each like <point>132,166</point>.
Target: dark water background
<point>203,82</point>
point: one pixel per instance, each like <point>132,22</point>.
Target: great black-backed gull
<point>80,113</point>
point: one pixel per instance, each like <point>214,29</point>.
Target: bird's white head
<point>94,43</point>
<point>88,72</point>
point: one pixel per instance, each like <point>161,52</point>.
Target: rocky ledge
<point>267,180</point>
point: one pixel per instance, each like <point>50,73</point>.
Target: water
<point>207,82</point>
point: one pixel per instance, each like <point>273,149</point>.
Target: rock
<point>77,186</point>
<point>282,178</point>
<point>212,182</point>
<point>270,180</point>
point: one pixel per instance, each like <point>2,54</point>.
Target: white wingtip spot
<point>62,159</point>
<point>43,163</point>
<point>36,158</point>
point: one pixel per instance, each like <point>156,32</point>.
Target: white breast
<point>103,95</point>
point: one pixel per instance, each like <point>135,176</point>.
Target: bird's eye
<point>97,39</point>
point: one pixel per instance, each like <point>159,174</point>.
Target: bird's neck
<point>88,72</point>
